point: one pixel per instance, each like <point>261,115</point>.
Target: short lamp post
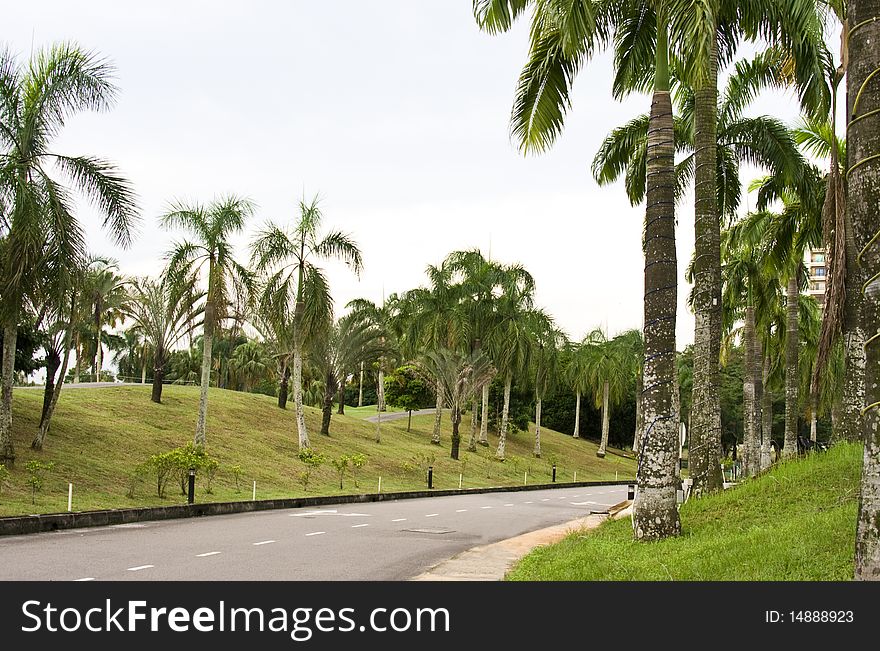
<point>430,476</point>
<point>191,493</point>
<point>554,473</point>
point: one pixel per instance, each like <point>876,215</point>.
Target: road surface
<point>397,415</point>
<point>392,540</point>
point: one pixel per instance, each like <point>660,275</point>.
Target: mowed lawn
<point>796,523</point>
<point>99,437</point>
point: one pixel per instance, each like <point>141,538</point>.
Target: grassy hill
<point>796,523</point>
<point>99,437</point>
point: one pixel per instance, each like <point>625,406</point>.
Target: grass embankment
<point>796,523</point>
<point>99,436</point>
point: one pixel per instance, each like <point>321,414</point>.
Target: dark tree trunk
<point>703,454</point>
<point>7,448</point>
<point>340,409</point>
<point>409,421</point>
<point>327,411</point>
<point>792,374</point>
<point>53,361</point>
<point>456,437</point>
<point>863,177</point>
<point>282,388</point>
<point>158,376</point>
<point>655,512</point>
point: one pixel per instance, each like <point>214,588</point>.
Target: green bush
<point>341,465</point>
<point>237,472</point>
<point>35,476</point>
<point>136,478</point>
<point>177,463</point>
<point>313,461</point>
<point>357,461</point>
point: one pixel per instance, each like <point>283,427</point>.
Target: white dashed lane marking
<point>485,507</point>
<point>207,554</point>
<point>398,519</point>
<point>432,515</point>
<point>528,502</point>
<point>508,505</point>
<point>316,533</point>
<point>460,510</point>
<point>355,526</point>
<point>264,542</point>
<point>140,567</point>
<point>546,499</point>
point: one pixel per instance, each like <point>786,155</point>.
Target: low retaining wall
<point>24,524</point>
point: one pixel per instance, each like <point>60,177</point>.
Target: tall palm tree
<point>40,231</point>
<point>456,376</point>
<point>212,226</point>
<point>288,257</point>
<point>574,371</point>
<point>631,348</point>
<point>251,364</point>
<point>863,187</point>
<point>106,291</point>
<point>162,314</point>
<point>547,340</point>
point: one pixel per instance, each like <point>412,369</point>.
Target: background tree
<point>212,227</point>
<point>406,388</point>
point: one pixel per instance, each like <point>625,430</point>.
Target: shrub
<point>35,476</point>
<point>341,465</point>
<point>313,461</point>
<point>358,461</point>
<point>236,476</point>
<point>177,463</point>
<point>136,478</point>
<point>210,467</point>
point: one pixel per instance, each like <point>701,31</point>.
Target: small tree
<point>236,476</point>
<point>406,389</point>
<point>313,460</point>
<point>357,461</point>
<point>35,476</point>
<point>341,465</point>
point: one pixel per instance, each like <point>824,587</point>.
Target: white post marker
<point>459,479</point>
<point>575,475</point>
<point>254,496</point>
<point>615,475</point>
<point>69,498</point>
<point>526,478</point>
<point>380,485</point>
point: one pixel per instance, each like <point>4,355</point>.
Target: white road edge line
<point>264,542</point>
<point>316,533</point>
<point>140,567</point>
<point>355,526</point>
<point>207,554</point>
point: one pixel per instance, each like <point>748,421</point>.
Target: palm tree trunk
<point>302,433</point>
<point>340,410</point>
<point>99,350</point>
<point>327,407</point>
<point>603,442</point>
<point>37,443</point>
<point>849,425</point>
<point>53,361</point>
<point>749,392</point>
<point>158,375</point>
<point>484,418</point>
<point>537,450</point>
<point>456,437</point>
<point>813,419</point>
<point>378,425</point>
<point>475,405</point>
<point>77,372</point>
<point>7,448</point>
<point>283,387</point>
<point>381,393</point>
<point>577,415</point>
<point>361,387</point>
<point>766,415</point>
<point>640,420</point>
<point>705,438</point>
<point>207,344</point>
<point>757,369</point>
<point>789,447</point>
<point>863,198</point>
<point>655,511</point>
<point>144,365</point>
<point>438,415</point>
<point>505,411</point>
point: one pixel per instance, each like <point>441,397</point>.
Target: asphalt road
<point>397,415</point>
<point>392,540</point>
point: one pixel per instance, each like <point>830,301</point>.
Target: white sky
<point>395,111</point>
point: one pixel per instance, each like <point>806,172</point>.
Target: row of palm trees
<point>675,51</point>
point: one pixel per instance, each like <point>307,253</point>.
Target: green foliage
<point>236,472</point>
<point>210,467</point>
<point>135,478</point>
<point>177,463</point>
<point>406,389</point>
<point>341,465</point>
<point>521,406</point>
<point>35,475</point>
<point>357,461</point>
<point>313,460</point>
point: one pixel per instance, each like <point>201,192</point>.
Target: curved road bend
<point>392,540</point>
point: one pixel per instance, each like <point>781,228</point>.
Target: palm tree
<point>574,371</point>
<point>162,314</point>
<point>456,377</point>
<point>631,348</point>
<point>607,376</point>
<point>547,340</point>
<point>106,293</point>
<point>212,226</point>
<point>509,340</point>
<point>40,231</point>
<point>288,256</point>
<point>277,333</point>
<point>863,187</point>
<point>250,364</point>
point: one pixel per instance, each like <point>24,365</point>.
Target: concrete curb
<point>493,562</point>
<point>25,524</point>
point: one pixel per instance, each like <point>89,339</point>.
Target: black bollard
<point>430,476</point>
<point>554,473</point>
<point>191,494</point>
<point>631,492</point>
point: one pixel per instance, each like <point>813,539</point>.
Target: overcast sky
<point>394,111</point>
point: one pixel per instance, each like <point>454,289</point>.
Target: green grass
<point>99,436</point>
<point>796,523</point>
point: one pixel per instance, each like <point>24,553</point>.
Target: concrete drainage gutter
<point>25,524</point>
